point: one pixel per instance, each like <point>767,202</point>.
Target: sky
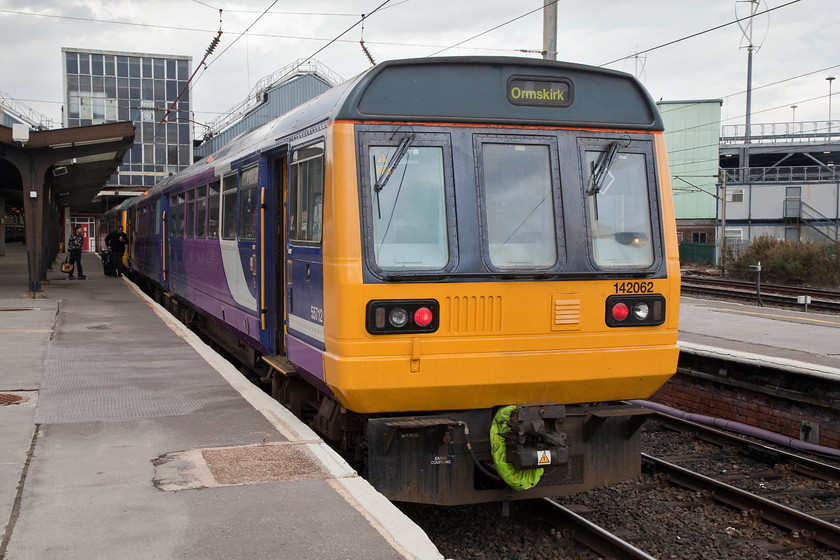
<point>795,44</point>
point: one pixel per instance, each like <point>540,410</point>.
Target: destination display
<point>524,90</point>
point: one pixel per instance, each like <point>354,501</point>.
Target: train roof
<point>481,90</point>
<point>505,90</point>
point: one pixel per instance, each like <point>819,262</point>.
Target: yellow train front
<point>500,268</point>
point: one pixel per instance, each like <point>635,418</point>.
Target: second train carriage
<point>460,254</point>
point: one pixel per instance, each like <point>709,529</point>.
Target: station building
<point>781,181</point>
<point>107,86</point>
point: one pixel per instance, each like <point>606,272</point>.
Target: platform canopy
<point>43,171</point>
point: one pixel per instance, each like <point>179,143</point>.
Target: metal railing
<point>792,174</point>
<point>807,132</point>
<point>297,68</point>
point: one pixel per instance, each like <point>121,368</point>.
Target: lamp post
<point>829,80</point>
<point>793,120</point>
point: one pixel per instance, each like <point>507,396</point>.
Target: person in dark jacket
<point>74,247</point>
<point>117,240</point>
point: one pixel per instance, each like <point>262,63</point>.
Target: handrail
<point>790,174</point>
<point>808,132</point>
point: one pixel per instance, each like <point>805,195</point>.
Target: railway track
<point>771,294</point>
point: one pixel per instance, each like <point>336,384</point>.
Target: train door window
<point>157,217</point>
<point>179,218</point>
<point>519,202</point>
<point>305,192</point>
<point>229,207</point>
<point>213,210</point>
<point>618,183</point>
<point>190,221</point>
<point>248,204</point>
<point>200,211</point>
<point>172,226</point>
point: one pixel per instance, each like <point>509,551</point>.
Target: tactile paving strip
<point>95,380</point>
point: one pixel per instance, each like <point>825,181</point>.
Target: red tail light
<point>620,311</point>
<point>423,317</point>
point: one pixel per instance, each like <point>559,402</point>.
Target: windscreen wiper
<point>390,166</point>
<point>599,173</point>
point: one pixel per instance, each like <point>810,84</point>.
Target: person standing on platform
<point>74,247</point>
<point>117,240</point>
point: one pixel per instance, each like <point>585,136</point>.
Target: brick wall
<point>749,407</point>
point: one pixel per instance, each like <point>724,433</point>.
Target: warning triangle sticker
<point>545,458</point>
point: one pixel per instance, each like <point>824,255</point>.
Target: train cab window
<point>519,205</point>
<point>213,210</point>
<point>248,204</point>
<point>229,207</point>
<point>190,217</point>
<point>408,207</point>
<point>306,192</point>
<point>618,206</point>
<point>200,211</point>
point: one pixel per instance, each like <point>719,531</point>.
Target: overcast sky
<point>797,46</point>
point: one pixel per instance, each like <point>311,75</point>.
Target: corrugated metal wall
<point>280,99</point>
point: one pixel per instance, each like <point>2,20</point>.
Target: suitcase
<point>108,264</point>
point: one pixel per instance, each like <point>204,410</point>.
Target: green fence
<point>701,253</point>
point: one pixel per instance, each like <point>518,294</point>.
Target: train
<point>457,270</point>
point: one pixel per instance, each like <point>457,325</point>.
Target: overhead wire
<point>693,35</point>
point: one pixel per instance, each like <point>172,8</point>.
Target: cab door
<point>304,258</point>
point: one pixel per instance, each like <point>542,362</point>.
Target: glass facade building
<point>106,86</point>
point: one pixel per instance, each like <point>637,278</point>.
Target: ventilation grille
<point>472,315</point>
<point>566,313</point>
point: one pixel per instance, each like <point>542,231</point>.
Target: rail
<point>592,536</point>
<point>745,291</point>
<point>782,516</point>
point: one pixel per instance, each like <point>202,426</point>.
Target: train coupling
<point>535,439</point>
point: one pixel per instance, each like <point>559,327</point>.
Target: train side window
<point>306,193</point>
<point>248,204</point>
<point>190,221</point>
<point>518,200</point>
<point>200,211</point>
<point>213,210</point>
<point>229,207</point>
<point>618,206</point>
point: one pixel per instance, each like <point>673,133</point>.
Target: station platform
<point>805,342</point>
<point>127,437</point>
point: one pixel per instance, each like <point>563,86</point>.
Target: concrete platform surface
<point>132,439</point>
<point>811,339</point>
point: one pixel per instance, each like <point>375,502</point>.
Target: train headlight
<point>402,316</point>
<point>398,317</point>
<point>641,311</point>
<point>635,310</point>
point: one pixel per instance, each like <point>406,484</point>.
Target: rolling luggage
<point>108,264</point>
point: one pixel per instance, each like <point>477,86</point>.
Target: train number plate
<point>633,287</point>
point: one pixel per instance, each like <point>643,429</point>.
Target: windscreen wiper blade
<point>382,180</point>
<point>596,179</point>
